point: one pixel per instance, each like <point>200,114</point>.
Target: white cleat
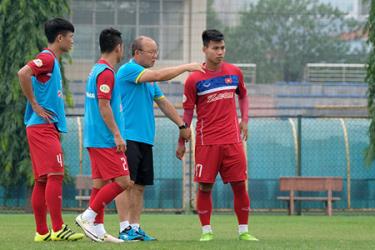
<point>109,238</point>
<point>88,228</point>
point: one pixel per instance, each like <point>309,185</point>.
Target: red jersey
<point>105,82</point>
<point>42,66</point>
<point>213,93</point>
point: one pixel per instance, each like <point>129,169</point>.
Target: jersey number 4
<point>59,159</point>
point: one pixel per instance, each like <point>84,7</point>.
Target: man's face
<point>148,54</point>
<point>66,41</point>
<point>215,51</point>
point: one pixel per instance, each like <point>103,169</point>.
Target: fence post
<point>299,155</point>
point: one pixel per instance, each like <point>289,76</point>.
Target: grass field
<point>183,232</point>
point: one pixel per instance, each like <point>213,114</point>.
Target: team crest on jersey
<point>59,94</point>
<point>105,88</point>
<point>228,80</point>
<point>184,98</point>
<point>38,63</point>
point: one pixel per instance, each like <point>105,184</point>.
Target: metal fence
<point>328,147</point>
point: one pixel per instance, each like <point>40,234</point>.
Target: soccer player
<point>41,83</point>
<point>219,146</point>
<point>139,90</point>
<point>103,139</point>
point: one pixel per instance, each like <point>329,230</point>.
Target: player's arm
<point>189,101</point>
<point>105,84</point>
<point>24,76</point>
<point>107,115</point>
<point>169,110</point>
<point>243,102</point>
<point>169,73</point>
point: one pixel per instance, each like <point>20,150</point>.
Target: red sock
<point>105,195</point>
<point>38,202</point>
<point>99,219</point>
<point>241,202</point>
<point>204,207</point>
<point>54,200</point>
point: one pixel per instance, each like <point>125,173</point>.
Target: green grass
<point>183,231</point>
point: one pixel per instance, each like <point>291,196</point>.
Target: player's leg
<point>234,170</point>
<point>107,164</point>
<point>207,160</point>
<point>204,209</point>
<point>38,203</point>
<point>46,154</point>
<point>124,204</point>
<point>145,176</point>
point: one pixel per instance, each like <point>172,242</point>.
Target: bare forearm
<point>244,108</point>
<point>169,73</point>
<point>107,115</point>
<point>169,110</point>
<point>24,76</point>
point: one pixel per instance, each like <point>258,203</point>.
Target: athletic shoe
<point>129,234</point>
<point>88,228</point>
<point>145,237</point>
<point>65,233</point>
<point>45,237</point>
<point>207,236</point>
<point>247,236</point>
<point>109,238</point>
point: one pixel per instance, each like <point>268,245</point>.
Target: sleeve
<point>190,94</point>
<point>131,73</point>
<point>241,90</point>
<point>42,64</point>
<point>158,92</point>
<point>104,84</point>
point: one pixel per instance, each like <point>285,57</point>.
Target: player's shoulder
<point>231,67</point>
<point>194,76</point>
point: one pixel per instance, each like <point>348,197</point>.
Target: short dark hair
<point>211,35</point>
<point>109,39</point>
<point>137,44</point>
<point>56,26</point>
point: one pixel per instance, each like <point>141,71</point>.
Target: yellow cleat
<point>66,234</point>
<point>42,237</point>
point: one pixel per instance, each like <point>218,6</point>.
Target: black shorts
<point>140,161</point>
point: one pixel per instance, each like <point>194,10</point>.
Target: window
<point>160,19</point>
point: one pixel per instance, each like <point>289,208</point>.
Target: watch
<point>183,126</point>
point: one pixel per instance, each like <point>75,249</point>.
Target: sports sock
<point>105,195</point>
<point>54,200</point>
<point>206,229</point>
<point>204,207</point>
<point>241,202</point>
<point>243,229</point>
<point>38,203</point>
<point>99,219</point>
<point>124,224</point>
<point>100,230</point>
<point>135,226</point>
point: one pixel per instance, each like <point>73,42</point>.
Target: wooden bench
<point>308,184</point>
<point>83,187</point>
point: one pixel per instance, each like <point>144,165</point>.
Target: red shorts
<point>227,159</point>
<point>45,149</point>
<point>107,164</point>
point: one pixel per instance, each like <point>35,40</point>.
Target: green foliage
<point>21,38</point>
<point>282,36</point>
<point>370,79</point>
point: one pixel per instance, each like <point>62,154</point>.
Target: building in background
<point>175,24</point>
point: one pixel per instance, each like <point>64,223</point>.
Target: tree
<point>21,38</point>
<point>282,36</point>
<point>370,79</point>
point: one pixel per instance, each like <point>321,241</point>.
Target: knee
<point>205,187</point>
<point>124,182</point>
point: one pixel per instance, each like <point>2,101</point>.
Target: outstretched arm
<point>168,73</point>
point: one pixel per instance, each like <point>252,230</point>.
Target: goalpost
<point>248,71</point>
